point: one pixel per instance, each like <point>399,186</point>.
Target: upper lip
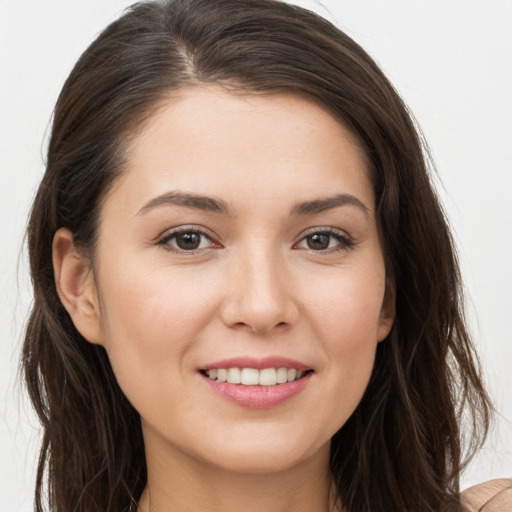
<point>257,363</point>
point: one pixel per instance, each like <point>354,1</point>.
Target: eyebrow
<point>213,205</point>
<point>194,201</point>
<point>328,203</point>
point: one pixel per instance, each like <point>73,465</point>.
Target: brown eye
<point>188,241</point>
<point>326,241</point>
<point>318,241</point>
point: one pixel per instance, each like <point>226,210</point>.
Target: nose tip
<point>260,312</point>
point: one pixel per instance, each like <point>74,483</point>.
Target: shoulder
<point>491,496</point>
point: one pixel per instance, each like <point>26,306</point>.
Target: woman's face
<point>242,235</point>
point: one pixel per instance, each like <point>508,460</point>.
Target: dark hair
<point>401,449</point>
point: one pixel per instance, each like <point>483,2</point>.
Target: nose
<point>259,294</point>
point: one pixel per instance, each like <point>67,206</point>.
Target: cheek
<point>346,306</point>
<point>349,333</point>
<point>151,317</point>
<point>345,314</point>
<point>142,298</point>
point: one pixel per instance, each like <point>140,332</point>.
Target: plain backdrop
<point>451,60</point>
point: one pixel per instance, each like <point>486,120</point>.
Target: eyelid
<point>165,237</point>
<point>324,229</point>
<point>345,239</point>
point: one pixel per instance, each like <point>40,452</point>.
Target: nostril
<point>268,327</point>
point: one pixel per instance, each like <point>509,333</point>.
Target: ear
<point>388,310</point>
<point>76,287</point>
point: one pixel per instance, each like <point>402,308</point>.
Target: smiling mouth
<point>255,377</point>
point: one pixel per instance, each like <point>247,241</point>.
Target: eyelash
<point>164,241</point>
<point>345,242</point>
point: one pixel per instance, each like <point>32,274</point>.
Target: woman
<point>246,295</point>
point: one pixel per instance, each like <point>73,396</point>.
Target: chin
<point>264,454</point>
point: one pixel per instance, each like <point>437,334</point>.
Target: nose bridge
<point>260,297</point>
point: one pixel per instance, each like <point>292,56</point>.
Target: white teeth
<point>234,375</point>
<point>249,376</point>
<point>268,377</point>
<point>253,377</point>
<point>282,375</point>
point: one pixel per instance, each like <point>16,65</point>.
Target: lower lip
<point>258,397</point>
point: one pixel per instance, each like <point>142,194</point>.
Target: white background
<point>452,62</point>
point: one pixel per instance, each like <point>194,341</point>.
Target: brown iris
<point>318,241</point>
<point>188,241</point>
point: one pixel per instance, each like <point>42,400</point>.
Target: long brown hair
<point>401,449</point>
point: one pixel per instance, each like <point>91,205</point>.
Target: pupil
<point>318,241</point>
<point>188,241</point>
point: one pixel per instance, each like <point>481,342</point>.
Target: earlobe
<point>388,311</point>
<point>76,287</point>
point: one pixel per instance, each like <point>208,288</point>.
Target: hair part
<point>401,449</point>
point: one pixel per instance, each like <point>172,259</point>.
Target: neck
<point>178,482</point>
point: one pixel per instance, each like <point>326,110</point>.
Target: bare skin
<point>242,227</point>
<point>491,496</point>
<point>298,489</point>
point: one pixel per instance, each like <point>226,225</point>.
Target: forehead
<point>210,141</point>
